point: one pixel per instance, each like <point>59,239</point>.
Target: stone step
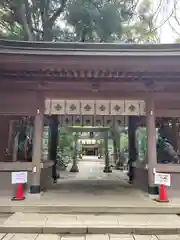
<point>159,209</point>
<point>68,229</point>
<point>91,224</point>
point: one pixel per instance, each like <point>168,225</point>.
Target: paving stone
<point>27,218</point>
<point>156,230</point>
<point>168,237</point>
<point>8,236</point>
<point>61,217</point>
<point>106,229</point>
<point>20,237</point>
<point>97,237</point>
<point>20,229</point>
<point>2,235</point>
<point>122,236</point>
<point>48,237</point>
<point>54,229</point>
<point>145,237</point>
<point>64,222</point>
<point>70,237</point>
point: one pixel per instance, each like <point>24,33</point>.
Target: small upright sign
<point>162,178</point>
<point>18,177</point>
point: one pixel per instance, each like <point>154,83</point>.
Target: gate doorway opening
<point>90,151</point>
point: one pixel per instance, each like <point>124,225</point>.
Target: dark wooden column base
<point>35,189</point>
<point>153,190</point>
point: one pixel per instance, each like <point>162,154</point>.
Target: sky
<point>167,35</point>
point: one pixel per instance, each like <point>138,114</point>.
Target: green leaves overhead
<point>131,21</point>
<point>96,19</point>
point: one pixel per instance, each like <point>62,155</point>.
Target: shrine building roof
<point>90,49</point>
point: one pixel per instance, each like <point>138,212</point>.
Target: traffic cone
<point>162,194</point>
<point>19,193</point>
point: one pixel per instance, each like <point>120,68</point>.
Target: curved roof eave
<point>87,49</point>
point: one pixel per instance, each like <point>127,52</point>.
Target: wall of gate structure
<point>94,107</point>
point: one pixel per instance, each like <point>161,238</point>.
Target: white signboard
<point>162,178</point>
<point>18,177</point>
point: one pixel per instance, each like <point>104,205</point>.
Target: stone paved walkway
<point>92,187</point>
<point>90,190</point>
<point>12,236</point>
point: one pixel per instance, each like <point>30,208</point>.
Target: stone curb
<point>141,230</point>
<point>90,209</point>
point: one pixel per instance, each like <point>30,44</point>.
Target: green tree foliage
<point>99,20</point>
<point>141,143</point>
<point>65,143</point>
<point>142,27</point>
<point>30,19</point>
<point>77,20</point>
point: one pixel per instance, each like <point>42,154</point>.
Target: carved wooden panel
<point>142,108</point>
<point>119,121</point>
<point>117,107</point>
<point>94,107</point>
<point>77,120</point>
<point>47,106</point>
<point>132,107</point>
<point>67,120</point>
<point>108,121</point>
<point>98,120</point>
<point>73,107</point>
<point>102,107</point>
<point>87,120</point>
<point>57,107</point>
<point>87,107</point>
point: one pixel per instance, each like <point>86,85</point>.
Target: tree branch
<point>174,29</point>
<point>57,12</point>
<point>21,11</point>
<point>161,25</point>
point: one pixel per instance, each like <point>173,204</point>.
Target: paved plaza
<point>90,190</point>
<point>92,187</point>
<point>12,236</point>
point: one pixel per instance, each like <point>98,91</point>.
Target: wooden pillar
<point>132,146</point>
<point>151,143</point>
<point>115,147</point>
<point>107,167</point>
<point>37,147</point>
<point>119,162</point>
<point>53,144</point>
<point>175,134</point>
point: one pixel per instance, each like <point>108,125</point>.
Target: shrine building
<point>86,84</point>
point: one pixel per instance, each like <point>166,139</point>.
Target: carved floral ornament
<point>94,107</point>
<point>117,108</point>
<point>102,108</point>
<point>58,107</point>
<point>87,107</point>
